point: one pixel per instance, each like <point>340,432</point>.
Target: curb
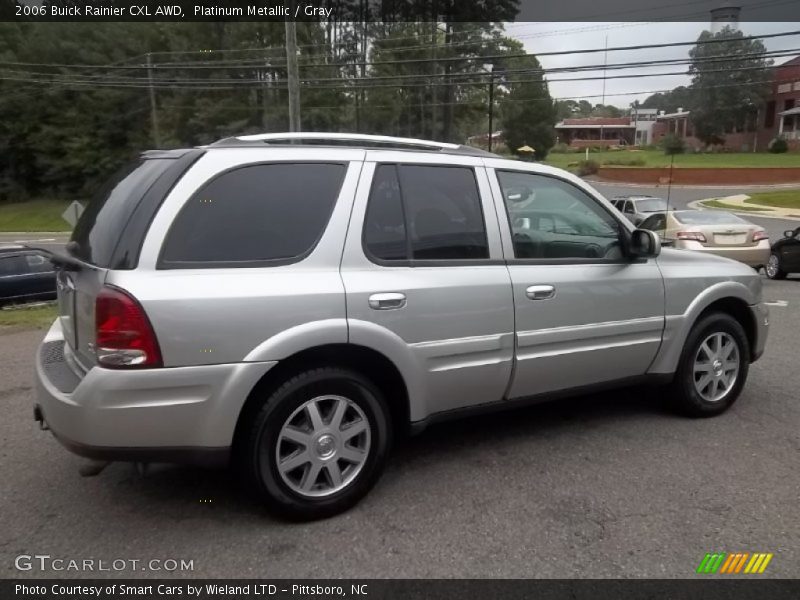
<point>698,205</point>
<point>57,233</point>
<point>776,186</point>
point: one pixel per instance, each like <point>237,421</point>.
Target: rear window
<point>102,222</point>
<point>254,215</point>
<point>706,217</point>
<point>651,205</point>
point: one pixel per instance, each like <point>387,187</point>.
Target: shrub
<point>625,162</point>
<point>778,146</point>
<point>673,144</point>
<point>587,167</point>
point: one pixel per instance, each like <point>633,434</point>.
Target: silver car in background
<point>288,303</point>
<point>637,208</point>
<point>715,232</point>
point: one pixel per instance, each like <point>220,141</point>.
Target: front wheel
<point>318,443</point>
<point>773,267</point>
<point>713,367</point>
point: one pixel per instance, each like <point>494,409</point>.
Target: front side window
<point>553,219</point>
<point>254,214</point>
<point>423,213</point>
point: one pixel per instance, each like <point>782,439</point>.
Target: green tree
<point>670,102</point>
<point>528,111</point>
<point>729,80</point>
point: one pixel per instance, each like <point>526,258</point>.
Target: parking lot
<point>608,485</point>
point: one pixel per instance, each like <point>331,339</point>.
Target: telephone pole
<point>293,75</point>
<point>153,111</point>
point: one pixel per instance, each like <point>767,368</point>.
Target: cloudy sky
<point>555,36</point>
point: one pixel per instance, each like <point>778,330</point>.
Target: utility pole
<point>293,74</point>
<point>491,106</point>
<point>153,111</point>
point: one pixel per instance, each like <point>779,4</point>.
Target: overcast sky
<point>553,37</point>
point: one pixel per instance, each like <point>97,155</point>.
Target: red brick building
<point>779,115</point>
<point>596,132</point>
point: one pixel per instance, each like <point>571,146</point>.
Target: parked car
<point>25,275</point>
<point>715,232</point>
<point>784,255</point>
<point>637,208</point>
<point>287,303</point>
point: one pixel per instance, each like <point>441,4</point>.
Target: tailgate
<point>77,291</point>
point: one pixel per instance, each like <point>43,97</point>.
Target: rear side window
<point>254,215</point>
<point>38,263</point>
<point>424,213</point>
<point>102,222</point>
<point>12,265</point>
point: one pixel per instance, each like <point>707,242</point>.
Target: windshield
<point>706,217</point>
<point>651,205</point>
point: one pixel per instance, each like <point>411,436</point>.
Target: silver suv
<point>288,303</point>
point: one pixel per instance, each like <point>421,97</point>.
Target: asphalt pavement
<point>606,485</point>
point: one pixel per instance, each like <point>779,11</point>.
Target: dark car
<point>25,274</point>
<point>785,255</point>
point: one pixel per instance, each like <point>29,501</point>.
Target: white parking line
<point>28,241</point>
<point>777,303</point>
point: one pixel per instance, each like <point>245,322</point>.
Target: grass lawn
<point>782,199</point>
<point>657,158</point>
<point>35,215</point>
<point>718,204</point>
<point>24,317</point>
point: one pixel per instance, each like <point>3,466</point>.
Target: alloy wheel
<point>772,265</point>
<point>323,446</point>
<point>716,366</point>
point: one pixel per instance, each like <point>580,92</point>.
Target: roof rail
<point>354,138</point>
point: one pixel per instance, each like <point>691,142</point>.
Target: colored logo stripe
<point>736,562</point>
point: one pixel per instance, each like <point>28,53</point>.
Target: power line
<point>162,81</point>
<point>445,58</point>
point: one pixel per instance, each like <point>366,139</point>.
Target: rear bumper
<point>181,414</point>
<point>753,256</point>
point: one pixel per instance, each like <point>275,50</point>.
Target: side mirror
<point>644,244</point>
<point>788,233</point>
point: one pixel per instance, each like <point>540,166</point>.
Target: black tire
<point>260,438</point>
<point>777,272</point>
<point>682,392</point>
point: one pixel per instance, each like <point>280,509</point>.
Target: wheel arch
<point>370,363</point>
<point>730,298</point>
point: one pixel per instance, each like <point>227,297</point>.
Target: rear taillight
<point>691,235</point>
<point>124,337</point>
<point>760,235</point>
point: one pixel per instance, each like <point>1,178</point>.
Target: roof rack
<point>349,139</point>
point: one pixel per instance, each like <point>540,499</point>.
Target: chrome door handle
<point>387,301</point>
<point>540,292</point>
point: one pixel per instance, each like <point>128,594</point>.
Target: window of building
<point>769,114</point>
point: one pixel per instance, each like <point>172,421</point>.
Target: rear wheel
<point>713,367</point>
<point>318,443</point>
<point>773,268</point>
